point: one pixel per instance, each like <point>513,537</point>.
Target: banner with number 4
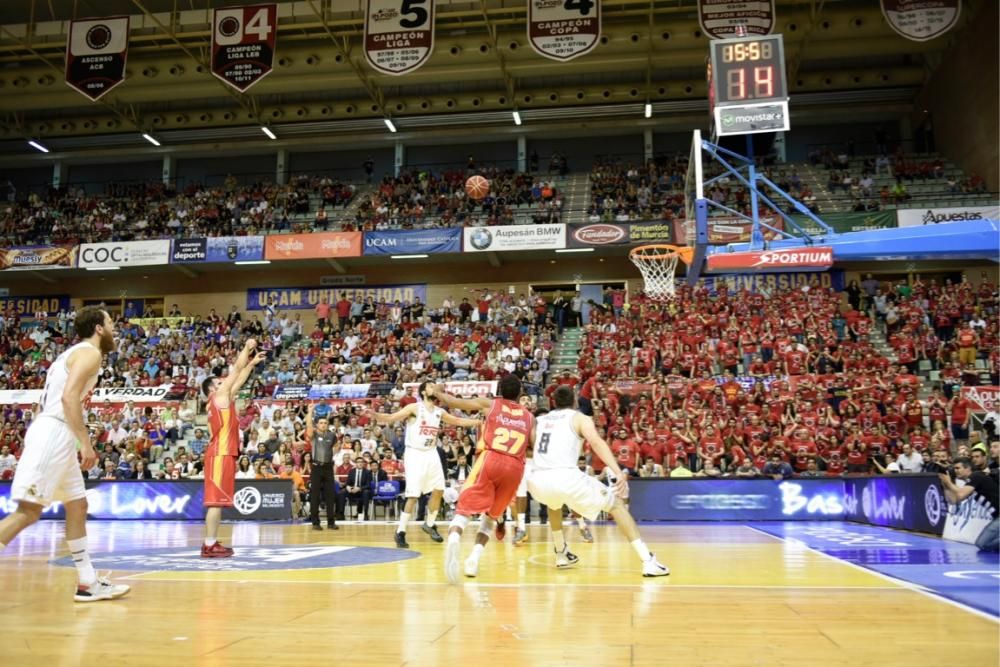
<point>399,34</point>
<point>243,43</point>
<point>564,29</point>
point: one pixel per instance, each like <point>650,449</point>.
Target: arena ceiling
<point>844,63</point>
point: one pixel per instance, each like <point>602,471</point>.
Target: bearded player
<point>504,438</point>
<point>224,446</point>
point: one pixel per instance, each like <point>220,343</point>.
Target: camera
<point>938,469</point>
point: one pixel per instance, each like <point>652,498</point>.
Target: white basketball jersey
<point>422,431</point>
<point>55,383</point>
<point>556,443</point>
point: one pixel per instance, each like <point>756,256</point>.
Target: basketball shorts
<point>522,488</point>
<point>220,480</point>
<point>49,469</point>
<point>491,485</point>
<point>572,487</point>
<point>424,473</point>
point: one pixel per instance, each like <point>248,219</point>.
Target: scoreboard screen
<point>748,70</point>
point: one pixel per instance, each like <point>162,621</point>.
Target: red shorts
<point>491,485</point>
<point>220,480</point>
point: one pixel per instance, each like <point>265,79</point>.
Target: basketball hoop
<point>658,264</point>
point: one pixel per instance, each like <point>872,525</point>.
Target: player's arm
<point>228,382</point>
<point>399,415</point>
<point>309,422</point>
<point>456,403</point>
<point>451,419</point>
<point>84,364</point>
<point>584,426</point>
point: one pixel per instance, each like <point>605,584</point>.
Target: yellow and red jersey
<point>507,429</point>
<point>224,426</point>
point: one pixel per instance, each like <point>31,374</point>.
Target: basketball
<point>477,187</point>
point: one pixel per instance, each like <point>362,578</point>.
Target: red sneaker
<point>215,551</point>
<point>501,530</point>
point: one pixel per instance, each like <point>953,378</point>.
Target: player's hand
<point>621,486</point>
<point>261,356</point>
<point>251,344</point>
<point>88,456</point>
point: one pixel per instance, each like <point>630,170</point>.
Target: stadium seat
<point>387,495</point>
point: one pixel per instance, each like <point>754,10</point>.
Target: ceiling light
<point>648,111</point>
<point>388,124</point>
<point>266,130</point>
<point>150,139</point>
<point>408,256</point>
<point>37,146</point>
<point>575,250</point>
<point>252,262</point>
<point>517,118</point>
<point>103,268</point>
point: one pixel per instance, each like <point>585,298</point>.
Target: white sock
<point>640,548</point>
<point>209,541</point>
<point>454,538</point>
<point>477,551</point>
<point>559,540</point>
<point>84,569</point>
<point>520,520</point>
<point>404,518</point>
<point>582,523</point>
<point>429,519</point>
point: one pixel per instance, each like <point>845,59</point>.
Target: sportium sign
<point>772,260</point>
<point>399,37</point>
<point>564,29</point>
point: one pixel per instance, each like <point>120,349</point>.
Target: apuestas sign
<point>820,257</point>
<point>914,217</point>
<point>564,29</point>
<point>399,34</point>
<point>243,44</point>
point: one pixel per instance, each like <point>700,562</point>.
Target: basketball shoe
<point>520,537</point>
<point>101,589</point>
<point>433,532</point>
<point>565,559</point>
<point>215,551</point>
<point>451,554</point>
<point>471,566</point>
<point>654,568</point>
<point>588,536</point>
<point>500,531</point>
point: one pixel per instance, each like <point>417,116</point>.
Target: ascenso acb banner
<point>217,249</point>
<point>418,241</point>
<point>306,298</point>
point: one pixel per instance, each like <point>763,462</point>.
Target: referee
<point>321,480</point>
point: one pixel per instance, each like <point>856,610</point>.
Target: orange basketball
<point>477,187</point>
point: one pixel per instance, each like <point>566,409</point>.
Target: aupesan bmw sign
<point>125,253</point>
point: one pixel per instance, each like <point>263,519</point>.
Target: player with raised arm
<point>424,472</point>
<point>507,431</point>
<point>557,481</point>
<point>224,447</point>
<point>49,469</point>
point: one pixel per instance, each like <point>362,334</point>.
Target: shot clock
<point>749,90</point>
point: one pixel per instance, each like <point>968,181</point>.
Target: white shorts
<point>522,488</point>
<point>572,487</point>
<point>424,472</point>
<point>48,470</point>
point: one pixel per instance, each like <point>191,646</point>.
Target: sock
<point>429,519</point>
<point>582,523</point>
<point>640,548</point>
<point>477,551</point>
<point>209,541</point>
<point>404,518</point>
<point>520,520</point>
<point>454,538</point>
<point>559,540</point>
<point>84,569</point>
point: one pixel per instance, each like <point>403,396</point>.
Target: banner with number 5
<point>243,42</point>
<point>564,29</point>
<point>399,34</point>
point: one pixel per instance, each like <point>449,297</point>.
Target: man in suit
<point>359,487</point>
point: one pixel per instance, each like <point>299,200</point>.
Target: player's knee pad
<point>460,521</point>
<point>486,525</point>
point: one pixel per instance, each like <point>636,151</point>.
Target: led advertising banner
<point>911,502</point>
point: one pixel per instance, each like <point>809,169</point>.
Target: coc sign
<point>564,29</point>
<point>243,42</point>
<point>399,34</point>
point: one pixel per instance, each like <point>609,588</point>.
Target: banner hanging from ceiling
<point>720,19</point>
<point>243,43</point>
<point>921,20</point>
<point>96,55</point>
<point>564,29</point>
<point>399,34</point>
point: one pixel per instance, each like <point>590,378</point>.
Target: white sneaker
<point>566,559</point>
<point>471,566</point>
<point>101,589</point>
<point>654,568</point>
<point>451,554</point>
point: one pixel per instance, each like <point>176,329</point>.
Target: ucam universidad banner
<point>306,298</point>
<point>514,237</point>
<point>29,305</point>
<point>124,253</point>
<point>218,249</point>
<point>413,242</point>
<point>769,282</point>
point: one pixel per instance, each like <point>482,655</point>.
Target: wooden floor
<point>736,597</point>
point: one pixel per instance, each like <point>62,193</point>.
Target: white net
<point>657,265</point>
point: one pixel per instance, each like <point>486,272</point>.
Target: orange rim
<point>686,253</point>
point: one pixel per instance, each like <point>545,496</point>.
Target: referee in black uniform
<point>321,479</point>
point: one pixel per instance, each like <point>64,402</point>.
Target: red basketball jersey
<point>507,429</point>
<point>223,424</point>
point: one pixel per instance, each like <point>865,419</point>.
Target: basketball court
<point>826,593</point>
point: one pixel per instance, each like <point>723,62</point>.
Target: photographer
<point>975,483</point>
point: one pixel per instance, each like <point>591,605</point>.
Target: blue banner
<point>217,249</point>
<point>736,499</point>
<point>29,305</point>
<point>757,282</point>
<point>910,502</point>
<point>420,241</point>
<point>129,500</point>
<point>306,298</point>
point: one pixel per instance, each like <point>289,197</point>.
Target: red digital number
<point>737,84</point>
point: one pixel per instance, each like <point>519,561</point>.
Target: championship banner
<point>720,19</point>
<point>29,305</point>
<point>124,253</point>
<point>983,399</point>
<point>514,237</point>
<point>461,388</point>
<point>772,260</point>
<point>420,241</point>
<point>564,29</point>
<point>38,257</point>
<point>319,245</point>
<point>921,20</point>
<point>769,282</point>
<point>243,42</point>
<point>218,249</point>
<point>399,34</point>
<point>96,55</point>
<point>306,298</point>
<point>914,217</point>
<point>617,233</point>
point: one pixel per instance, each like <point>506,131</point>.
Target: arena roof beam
<point>185,270</point>
<point>491,31</point>
<point>337,266</point>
